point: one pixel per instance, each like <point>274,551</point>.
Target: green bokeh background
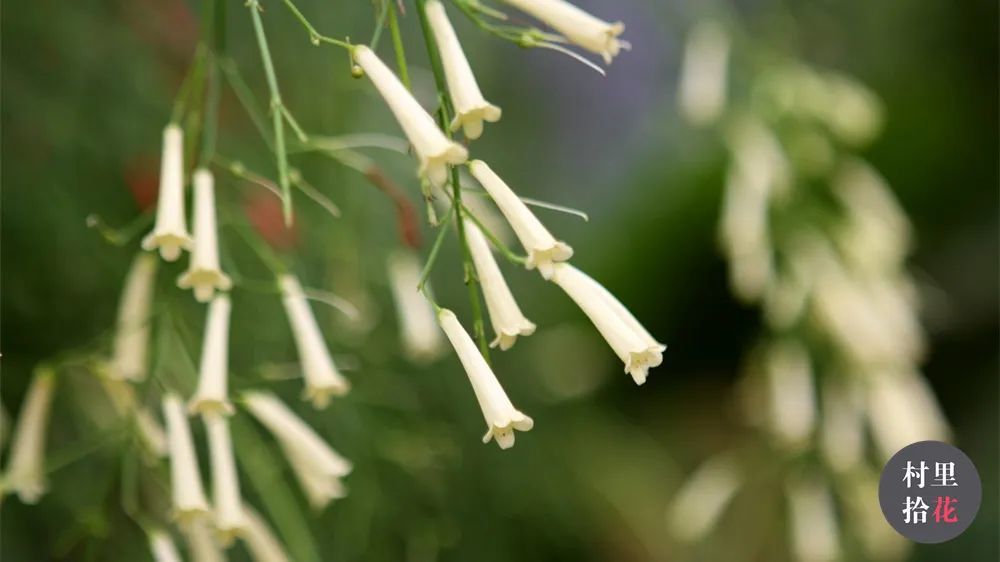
<point>87,87</point>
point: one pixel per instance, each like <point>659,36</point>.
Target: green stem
<point>246,98</point>
<point>380,23</point>
<point>397,45</point>
<point>315,37</point>
<point>435,248</point>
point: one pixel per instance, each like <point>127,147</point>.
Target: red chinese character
<point>944,510</point>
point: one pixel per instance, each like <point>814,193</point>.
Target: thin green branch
<point>435,248</point>
<point>380,24</point>
<point>397,45</point>
<point>315,37</point>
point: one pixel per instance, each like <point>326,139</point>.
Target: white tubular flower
<point>162,546</point>
<point>321,375</point>
<point>470,107</point>
<point>185,481</point>
<point>25,474</point>
<point>502,418</point>
<point>813,524</point>
<point>703,74</point>
<point>131,343</point>
<point>579,27</point>
<point>421,339</point>
<point>876,235</point>
<point>201,545</point>
<point>702,500</point>
<point>902,409</point>
<point>203,273</point>
<point>842,433</point>
<point>791,394</point>
<point>543,249</point>
<point>212,394</point>
<point>316,465</point>
<point>260,541</point>
<point>434,150</point>
<point>506,317</point>
<point>225,482</point>
<point>170,232</point>
<point>629,340</point>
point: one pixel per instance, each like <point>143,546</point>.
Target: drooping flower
<point>633,344</point>
<point>792,405</point>
<point>189,503</point>
<point>502,418</point>
<point>131,342</point>
<point>421,339</point>
<point>842,431</point>
<point>316,465</point>
<point>162,546</point>
<point>201,546</point>
<point>434,150</point>
<point>203,274</point>
<point>902,409</point>
<point>505,316</point>
<point>471,107</point>
<point>578,26</point>
<point>212,393</point>
<point>228,505</point>
<point>260,541</point>
<point>702,89</point>
<point>170,233</point>
<point>813,523</point>
<point>543,249</point>
<point>25,474</point>
<point>702,500</point>
<point>321,375</point>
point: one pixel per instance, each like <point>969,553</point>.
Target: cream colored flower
<point>875,234</point>
<point>131,343</point>
<point>321,375</point>
<point>578,26</point>
<point>228,505</point>
<point>842,432</point>
<point>471,107</point>
<point>170,232</point>
<point>702,500</point>
<point>703,74</point>
<point>506,317</point>
<point>162,546</point>
<point>434,150</point>
<point>815,536</point>
<point>902,409</point>
<point>630,341</point>
<point>543,249</point>
<point>203,273</point>
<point>316,465</point>
<point>25,474</point>
<point>421,339</point>
<point>189,503</point>
<point>791,400</point>
<point>501,416</point>
<point>212,394</point>
<point>260,541</point>
<point>201,546</point>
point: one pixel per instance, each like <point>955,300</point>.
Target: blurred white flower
<point>791,396</point>
<point>228,505</point>
<point>189,503</point>
<point>505,316</point>
<point>815,536</point>
<point>702,89</point>
<point>151,433</point>
<point>203,274</point>
<point>316,465</point>
<point>212,394</point>
<point>543,249</point>
<point>170,232</point>
<point>417,327</point>
<point>321,376</point>
<point>201,546</point>
<point>853,112</point>
<point>902,409</point>
<point>842,431</point>
<point>260,541</point>
<point>131,341</point>
<point>471,108</point>
<point>578,26</point>
<point>633,344</point>
<point>162,546</point>
<point>501,416</point>
<point>702,500</point>
<point>25,474</point>
<point>875,234</point>
<point>434,150</point>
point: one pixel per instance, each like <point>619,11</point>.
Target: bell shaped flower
<point>627,337</point>
<point>502,418</point>
<point>543,249</point>
<point>316,465</point>
<point>25,473</point>
<point>471,108</point>
<point>170,233</point>
<point>189,503</point>
<point>203,274</point>
<point>420,336</point>
<point>578,26</point>
<point>434,150</point>
<point>212,394</point>
<point>321,375</point>
<point>505,316</point>
<point>260,540</point>
<point>225,481</point>
<point>130,348</point>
